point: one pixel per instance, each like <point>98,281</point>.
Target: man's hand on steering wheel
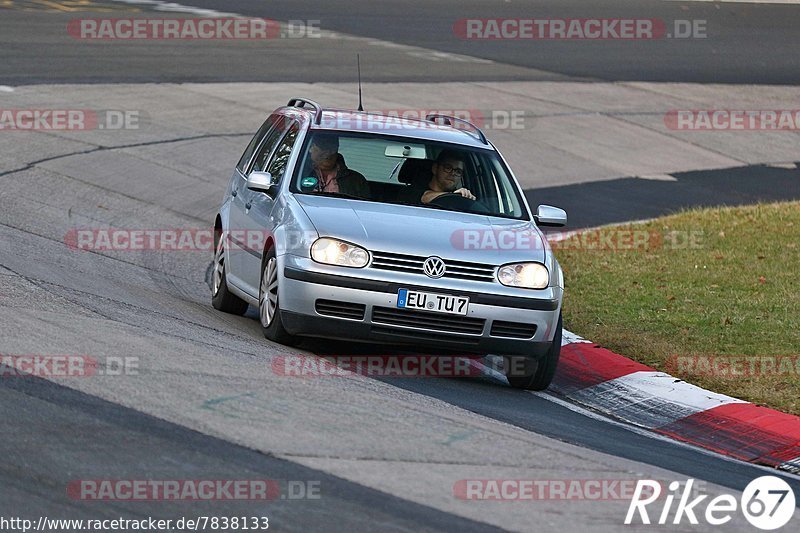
<point>463,191</point>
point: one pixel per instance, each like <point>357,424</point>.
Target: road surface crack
<point>104,148</point>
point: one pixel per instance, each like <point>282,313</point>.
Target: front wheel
<point>269,310</point>
<point>532,374</point>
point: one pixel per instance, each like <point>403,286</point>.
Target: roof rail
<point>301,103</point>
<point>433,116</point>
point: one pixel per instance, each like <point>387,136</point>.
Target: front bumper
<point>484,329</point>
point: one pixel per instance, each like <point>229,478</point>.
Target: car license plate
<point>429,301</point>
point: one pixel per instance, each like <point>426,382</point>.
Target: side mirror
<point>547,215</point>
<point>261,182</point>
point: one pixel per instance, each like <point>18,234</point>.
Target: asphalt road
<point>738,47</point>
<point>742,43</point>
<point>205,403</point>
<point>102,440</point>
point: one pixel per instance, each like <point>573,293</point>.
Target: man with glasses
<point>447,171</point>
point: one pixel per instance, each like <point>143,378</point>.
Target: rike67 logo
<point>767,503</point>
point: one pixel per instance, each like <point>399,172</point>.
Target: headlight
<point>336,252</point>
<point>524,275</point>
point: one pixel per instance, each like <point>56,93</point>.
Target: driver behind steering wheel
<point>446,172</point>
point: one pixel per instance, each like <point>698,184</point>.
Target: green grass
<point>733,292</point>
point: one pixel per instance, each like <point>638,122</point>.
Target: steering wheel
<point>456,202</point>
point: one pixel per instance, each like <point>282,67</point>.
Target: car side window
<point>257,138</point>
<point>269,144</point>
<point>280,159</point>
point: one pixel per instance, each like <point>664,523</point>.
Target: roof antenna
<point>358,60</point>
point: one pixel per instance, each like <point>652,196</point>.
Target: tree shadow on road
<point>626,199</point>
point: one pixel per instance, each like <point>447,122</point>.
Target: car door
<point>248,238</point>
<point>237,190</point>
<point>259,220</point>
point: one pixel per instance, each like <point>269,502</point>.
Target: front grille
<point>516,330</point>
<point>423,319</point>
<point>413,265</point>
<point>421,336</point>
<point>340,309</point>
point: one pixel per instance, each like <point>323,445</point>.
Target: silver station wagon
<point>374,228</point>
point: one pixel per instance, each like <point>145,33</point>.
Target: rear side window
<point>255,142</point>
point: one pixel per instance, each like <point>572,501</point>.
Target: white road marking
<point>647,399</point>
<point>650,399</point>
<point>792,466</point>
<point>741,1</point>
<point>567,337</point>
<point>656,436</point>
<point>413,51</point>
<point>172,7</point>
<point>6,89</point>
<point>658,177</point>
<point>644,432</point>
<point>487,370</point>
<point>663,385</point>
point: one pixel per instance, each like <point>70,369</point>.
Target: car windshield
<point>407,171</point>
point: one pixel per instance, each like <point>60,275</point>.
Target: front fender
<point>294,233</point>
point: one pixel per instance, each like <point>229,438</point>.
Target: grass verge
<point>708,295</point>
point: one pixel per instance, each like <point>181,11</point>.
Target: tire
<point>532,374</point>
<point>269,309</point>
<point>221,298</point>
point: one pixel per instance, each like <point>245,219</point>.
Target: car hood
<point>425,231</point>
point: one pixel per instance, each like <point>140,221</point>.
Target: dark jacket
<point>412,194</point>
<point>350,182</point>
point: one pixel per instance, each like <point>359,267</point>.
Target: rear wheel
<point>531,374</point>
<point>269,310</point>
<point>221,298</point>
